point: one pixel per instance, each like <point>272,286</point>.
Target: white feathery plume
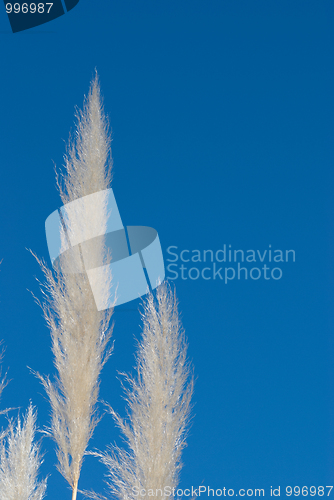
<point>3,382</point>
<point>158,405</point>
<point>79,332</point>
<point>20,459</point>
<point>87,163</point>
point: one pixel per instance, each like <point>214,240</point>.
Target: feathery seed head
<point>20,459</point>
<point>158,404</point>
<point>79,332</point>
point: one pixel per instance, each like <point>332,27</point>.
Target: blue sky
<point>222,120</point>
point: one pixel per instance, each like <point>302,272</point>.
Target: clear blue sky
<point>223,134</point>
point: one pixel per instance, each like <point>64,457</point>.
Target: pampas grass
<point>79,332</point>
<point>88,164</point>
<point>20,459</point>
<point>159,406</point>
<point>159,396</point>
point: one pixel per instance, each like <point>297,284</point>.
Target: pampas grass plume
<point>20,459</point>
<point>158,405</point>
<point>80,333</point>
